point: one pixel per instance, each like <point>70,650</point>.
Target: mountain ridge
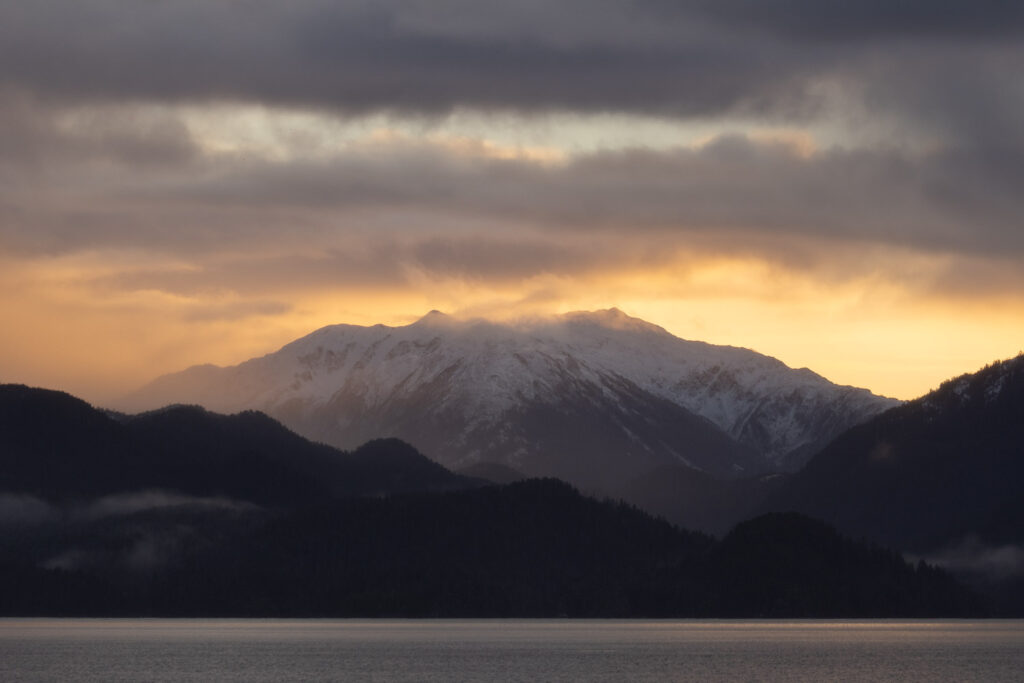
<point>938,477</point>
<point>59,448</point>
<point>184,512</point>
<point>468,391</point>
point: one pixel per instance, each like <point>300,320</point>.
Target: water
<point>517,650</point>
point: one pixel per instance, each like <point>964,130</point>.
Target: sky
<point>835,184</point>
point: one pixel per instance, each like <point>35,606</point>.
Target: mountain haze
<point>592,397</point>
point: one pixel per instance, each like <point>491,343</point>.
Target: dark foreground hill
<point>59,449</point>
<point>184,512</point>
<point>941,477</point>
<point>531,549</point>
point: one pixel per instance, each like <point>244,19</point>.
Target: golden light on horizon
<point>149,236</point>
<point>100,342</point>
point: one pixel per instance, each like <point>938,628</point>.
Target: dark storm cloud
<point>75,178</point>
<point>947,66</point>
<point>34,134</point>
<point>866,19</point>
<point>958,199</point>
<point>964,199</point>
<point>406,56</point>
<point>963,95</point>
<point>381,220</point>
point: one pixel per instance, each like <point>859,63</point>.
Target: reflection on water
<point>508,650</point>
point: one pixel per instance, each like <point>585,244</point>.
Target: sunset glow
<point>845,210</point>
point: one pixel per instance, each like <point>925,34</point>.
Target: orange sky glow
<point>102,344</point>
<point>838,187</point>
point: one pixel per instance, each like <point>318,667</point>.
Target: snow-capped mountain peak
<point>563,395</point>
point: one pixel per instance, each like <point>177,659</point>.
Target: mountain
<point>941,476</point>
<point>182,512</point>
<point>57,449</point>
<point>787,564</point>
<point>531,549</point>
<point>594,398</point>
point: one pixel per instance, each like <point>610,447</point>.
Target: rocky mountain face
<point>592,397</point>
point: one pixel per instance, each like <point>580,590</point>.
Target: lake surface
<point>508,650</point>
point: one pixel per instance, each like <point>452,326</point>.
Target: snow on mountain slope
<point>621,393</point>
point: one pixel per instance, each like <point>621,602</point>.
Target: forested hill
<point>186,512</point>
<point>531,549</point>
<point>59,449</point>
<point>947,466</point>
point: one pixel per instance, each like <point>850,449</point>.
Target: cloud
<point>237,310</point>
<point>115,542</point>
<point>130,503</point>
<point>244,232</point>
<point>88,91</point>
<point>871,19</point>
<point>732,190</point>
<point>357,55</point>
<point>35,133</point>
<point>682,59</point>
<point>988,562</point>
<point>173,167</point>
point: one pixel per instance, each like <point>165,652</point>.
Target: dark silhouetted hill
<point>927,473</point>
<point>493,472</point>
<point>184,512</point>
<point>59,448</point>
<point>940,477</point>
<point>786,564</point>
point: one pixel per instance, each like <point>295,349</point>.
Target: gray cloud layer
<point>948,72</point>
<point>873,19</point>
<point>697,57</point>
<point>961,199</point>
<point>367,55</point>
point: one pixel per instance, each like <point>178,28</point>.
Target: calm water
<point>527,650</point>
